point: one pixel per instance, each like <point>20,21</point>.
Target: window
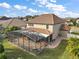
<point>47,26</point>
<point>30,24</point>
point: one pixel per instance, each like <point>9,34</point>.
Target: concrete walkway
<point>55,43</point>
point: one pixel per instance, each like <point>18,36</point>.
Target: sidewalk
<point>55,43</point>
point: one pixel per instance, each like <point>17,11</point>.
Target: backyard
<point>60,52</point>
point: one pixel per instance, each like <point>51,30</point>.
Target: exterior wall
<point>40,26</point>
<point>28,26</point>
<point>56,29</point>
<point>50,28</point>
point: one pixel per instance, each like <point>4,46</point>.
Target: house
<point>77,20</point>
<point>39,32</point>
<point>49,22</point>
<point>13,22</point>
<point>68,22</point>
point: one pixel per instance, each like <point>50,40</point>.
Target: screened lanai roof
<point>34,36</point>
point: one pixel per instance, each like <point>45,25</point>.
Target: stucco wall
<point>52,28</point>
<point>56,29</point>
<point>28,26</point>
<point>40,26</point>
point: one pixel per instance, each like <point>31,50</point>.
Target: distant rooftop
<point>13,22</point>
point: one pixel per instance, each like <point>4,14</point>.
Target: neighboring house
<point>77,20</point>
<point>4,18</point>
<point>74,29</point>
<point>49,22</point>
<point>13,22</point>
<point>74,32</point>
<point>68,22</point>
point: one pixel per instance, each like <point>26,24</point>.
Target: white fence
<point>72,35</point>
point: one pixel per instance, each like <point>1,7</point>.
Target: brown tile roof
<point>44,31</point>
<point>14,22</point>
<point>47,19</point>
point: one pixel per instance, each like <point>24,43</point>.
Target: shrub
<point>1,48</point>
<point>73,46</point>
<point>3,56</point>
<point>11,28</point>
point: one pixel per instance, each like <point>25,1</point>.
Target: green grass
<point>13,52</point>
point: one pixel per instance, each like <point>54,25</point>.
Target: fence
<point>72,35</point>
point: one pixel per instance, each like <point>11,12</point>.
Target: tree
<point>74,23</point>
<point>2,54</point>
<point>11,28</point>
<point>73,46</point>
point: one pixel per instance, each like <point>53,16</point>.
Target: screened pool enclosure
<point>31,41</point>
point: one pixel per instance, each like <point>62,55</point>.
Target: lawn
<point>13,52</point>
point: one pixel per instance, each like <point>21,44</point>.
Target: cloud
<point>32,10</point>
<point>33,3</point>
<point>5,5</point>
<point>20,7</point>
<point>42,2</point>
<point>66,14</point>
<point>53,1</point>
<point>45,2</point>
<point>56,7</point>
<point>71,14</point>
<point>50,5</point>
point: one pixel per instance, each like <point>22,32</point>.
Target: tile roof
<point>47,19</point>
<point>13,22</point>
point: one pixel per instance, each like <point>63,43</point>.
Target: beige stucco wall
<point>28,26</point>
<point>52,28</point>
<point>43,26</point>
<point>40,26</point>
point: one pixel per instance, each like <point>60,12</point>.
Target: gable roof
<point>46,19</point>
